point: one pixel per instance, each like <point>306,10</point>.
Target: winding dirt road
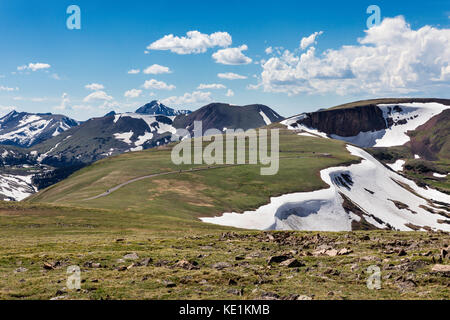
<point>109,191</point>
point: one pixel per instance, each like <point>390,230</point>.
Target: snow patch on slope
<point>27,133</point>
<point>291,124</point>
<point>142,139</point>
<point>307,134</point>
<point>265,118</point>
<point>42,156</point>
<point>149,120</point>
<point>397,165</point>
<point>376,190</point>
<point>439,175</point>
<point>15,187</point>
<point>124,136</point>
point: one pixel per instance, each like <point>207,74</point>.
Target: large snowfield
<point>411,116</point>
<point>376,190</point>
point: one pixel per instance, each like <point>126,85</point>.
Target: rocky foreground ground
<point>238,265</point>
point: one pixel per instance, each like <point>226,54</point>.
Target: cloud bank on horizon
<point>391,58</point>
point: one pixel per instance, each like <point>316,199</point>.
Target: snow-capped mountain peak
<point>24,129</point>
<point>157,108</point>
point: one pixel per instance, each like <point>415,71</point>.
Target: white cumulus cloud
<point>307,41</point>
<point>211,86</point>
<point>64,102</point>
<point>193,98</point>
<point>133,93</point>
<point>156,69</point>
<point>34,66</point>
<point>230,93</point>
<point>193,42</point>
<point>8,89</point>
<point>231,76</point>
<point>134,71</point>
<point>94,86</point>
<point>97,95</point>
<point>232,56</point>
<point>158,85</point>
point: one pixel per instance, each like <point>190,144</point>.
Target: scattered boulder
<point>332,272</point>
<point>221,265</point>
<point>20,269</point>
<point>161,263</point>
<point>406,284</point>
<point>269,296</point>
<point>91,264</point>
<point>277,259</point>
<point>344,251</point>
<point>444,253</point>
<point>411,266</point>
<point>304,297</point>
<point>253,255</point>
<point>184,264</point>
<point>146,262</point>
<point>169,284</point>
<point>131,256</point>
<point>270,237</point>
<point>236,292</point>
<point>441,268</point>
<point>292,263</point>
<point>48,266</point>
<point>332,252</point>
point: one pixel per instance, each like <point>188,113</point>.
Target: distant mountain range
<point>150,126</point>
<point>46,141</point>
<point>25,129</point>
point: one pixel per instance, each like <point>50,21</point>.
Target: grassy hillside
<point>196,193</point>
<point>431,139</point>
<point>38,242</point>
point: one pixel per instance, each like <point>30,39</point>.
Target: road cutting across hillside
<point>109,191</point>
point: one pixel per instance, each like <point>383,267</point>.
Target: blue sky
<point>45,67</point>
